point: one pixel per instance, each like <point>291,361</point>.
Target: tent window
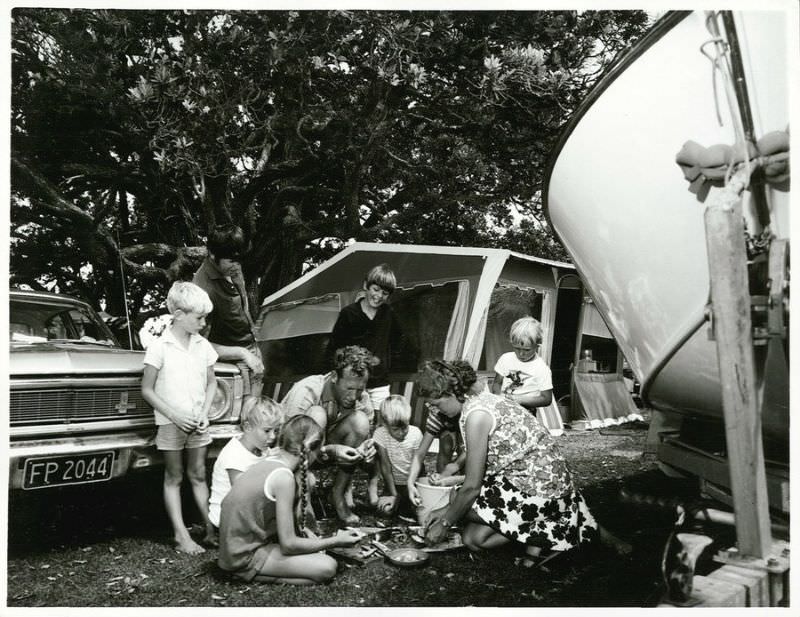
<point>598,355</point>
<point>426,315</point>
<point>507,304</point>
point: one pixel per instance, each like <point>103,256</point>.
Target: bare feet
<point>532,551</point>
<point>534,558</point>
<point>345,514</point>
<point>342,487</point>
<point>188,546</point>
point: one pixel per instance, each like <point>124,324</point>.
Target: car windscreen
<point>35,321</point>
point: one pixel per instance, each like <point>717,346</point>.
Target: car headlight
<point>223,400</point>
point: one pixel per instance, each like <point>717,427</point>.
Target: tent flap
<point>603,398</point>
<point>299,318</point>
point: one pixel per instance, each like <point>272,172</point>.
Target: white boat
<point>624,210</point>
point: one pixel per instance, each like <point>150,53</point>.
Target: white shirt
<point>400,453</point>
<point>181,380</point>
<point>523,377</point>
<point>233,456</point>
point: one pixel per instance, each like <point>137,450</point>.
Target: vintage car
<point>76,410</point>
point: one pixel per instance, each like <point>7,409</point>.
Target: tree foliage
<point>134,132</point>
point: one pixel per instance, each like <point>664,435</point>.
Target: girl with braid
<point>262,524</point>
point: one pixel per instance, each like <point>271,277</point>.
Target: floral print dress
<point>527,493</point>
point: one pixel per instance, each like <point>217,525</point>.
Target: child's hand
<point>202,423</point>
<point>187,425</point>
<point>348,537</point>
<point>367,449</point>
<point>253,362</point>
<point>450,469</point>
<point>387,504</point>
<point>443,480</point>
<point>413,495</point>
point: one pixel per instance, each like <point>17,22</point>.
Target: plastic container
<point>433,498</point>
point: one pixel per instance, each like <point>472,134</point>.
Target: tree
<point>134,132</point>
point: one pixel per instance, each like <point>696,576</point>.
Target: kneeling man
<point>339,403</point>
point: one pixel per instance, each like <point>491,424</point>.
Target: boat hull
<point>623,210</point>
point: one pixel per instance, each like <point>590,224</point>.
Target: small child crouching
<point>395,441</point>
<point>260,419</point>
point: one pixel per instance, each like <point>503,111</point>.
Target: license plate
<point>70,469</point>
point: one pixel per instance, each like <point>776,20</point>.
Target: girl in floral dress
<point>517,485</point>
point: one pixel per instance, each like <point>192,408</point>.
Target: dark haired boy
<point>230,326</point>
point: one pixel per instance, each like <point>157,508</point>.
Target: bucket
<point>433,498</point>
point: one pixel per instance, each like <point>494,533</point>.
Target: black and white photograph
<point>417,306</point>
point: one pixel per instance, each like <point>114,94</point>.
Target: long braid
<point>303,486</point>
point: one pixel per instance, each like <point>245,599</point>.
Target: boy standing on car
<point>179,384</point>
<point>230,329</point>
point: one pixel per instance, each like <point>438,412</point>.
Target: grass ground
<point>107,545</point>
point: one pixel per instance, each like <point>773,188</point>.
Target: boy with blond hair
<point>395,442</point>
<point>179,383</point>
<point>521,375</point>
<point>261,420</point>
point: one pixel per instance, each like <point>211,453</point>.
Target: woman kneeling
<point>517,485</point>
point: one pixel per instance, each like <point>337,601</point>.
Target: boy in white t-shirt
<point>260,419</point>
<point>179,383</point>
<point>395,441</point>
<point>521,375</point>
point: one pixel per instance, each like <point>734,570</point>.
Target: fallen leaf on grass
<point>45,566</point>
<point>216,597</point>
<point>23,596</point>
<point>52,578</point>
<point>449,575</point>
<point>81,561</point>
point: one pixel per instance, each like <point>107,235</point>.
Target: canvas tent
<point>453,302</point>
<point>600,395</point>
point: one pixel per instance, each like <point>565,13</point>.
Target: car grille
<point>77,405</point>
